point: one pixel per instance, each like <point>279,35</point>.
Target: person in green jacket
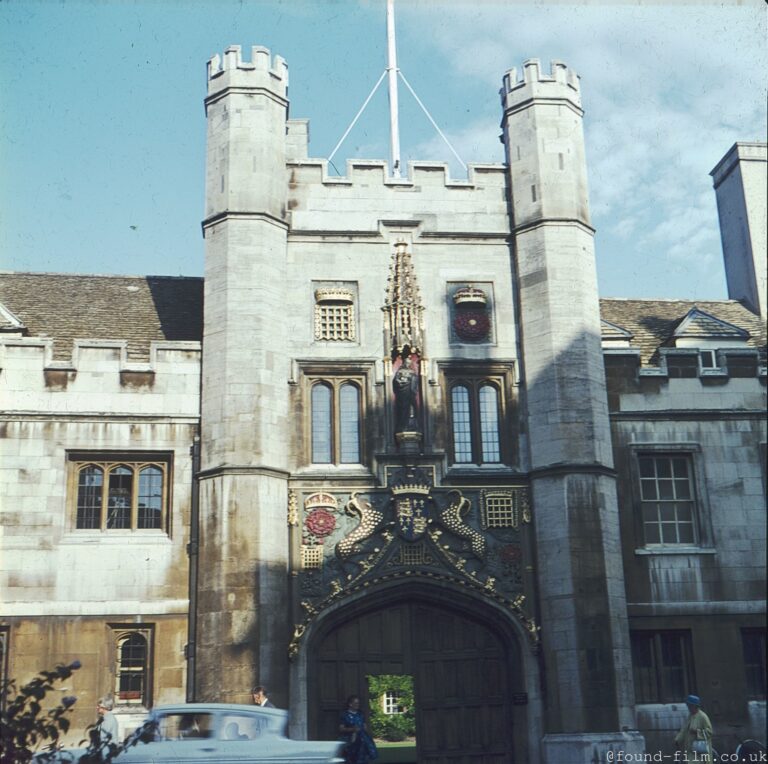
<point>695,736</point>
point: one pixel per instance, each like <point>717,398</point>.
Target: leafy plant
<point>398,726</point>
<point>25,725</point>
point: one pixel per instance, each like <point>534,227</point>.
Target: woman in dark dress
<point>360,748</point>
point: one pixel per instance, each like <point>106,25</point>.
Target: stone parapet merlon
<point>262,72</point>
<point>419,173</point>
<point>97,355</point>
<point>562,84</point>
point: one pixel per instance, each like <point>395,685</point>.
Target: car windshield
<point>185,726</point>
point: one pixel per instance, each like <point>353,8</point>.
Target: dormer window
<point>708,359</point>
<point>705,332</point>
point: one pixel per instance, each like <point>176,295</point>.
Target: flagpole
<point>392,71</point>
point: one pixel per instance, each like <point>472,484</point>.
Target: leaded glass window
<point>335,422</point>
<point>475,422</point>
<point>322,425</point>
<point>150,498</point>
<point>489,424</point>
<point>462,424</point>
<point>131,667</point>
<point>349,423</point>
<point>89,492</point>
<point>119,495</point>
<point>120,499</point>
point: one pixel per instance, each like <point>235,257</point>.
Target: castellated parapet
<point>562,84</point>
<point>262,72</point>
<point>100,376</point>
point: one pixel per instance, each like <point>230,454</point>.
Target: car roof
<point>218,708</point>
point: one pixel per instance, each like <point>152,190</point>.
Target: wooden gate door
<point>461,679</point>
<point>463,713</point>
<point>374,643</point>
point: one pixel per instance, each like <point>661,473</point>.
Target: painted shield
<point>411,510</point>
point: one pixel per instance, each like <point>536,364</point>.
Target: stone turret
<point>583,610</point>
<point>241,634</point>
<point>546,150</point>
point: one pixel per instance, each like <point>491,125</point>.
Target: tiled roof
<point>9,322</point>
<point>142,309</point>
<point>138,309</point>
<point>653,322</point>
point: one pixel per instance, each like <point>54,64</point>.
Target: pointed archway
<point>466,663</point>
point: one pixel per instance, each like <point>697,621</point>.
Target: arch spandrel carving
<point>467,540</point>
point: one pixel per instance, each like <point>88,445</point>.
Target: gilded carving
<point>298,633</point>
<point>411,529</point>
<point>453,519</point>
<point>370,518</point>
<point>293,509</point>
<point>525,503</point>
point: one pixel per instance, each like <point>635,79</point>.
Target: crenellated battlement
<point>418,174</point>
<point>33,354</point>
<point>100,376</point>
<point>561,83</point>
<point>262,71</point>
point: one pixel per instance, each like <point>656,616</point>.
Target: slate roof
<point>138,309</point>
<point>142,309</point>
<point>653,322</point>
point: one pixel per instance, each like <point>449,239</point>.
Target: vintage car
<point>224,733</point>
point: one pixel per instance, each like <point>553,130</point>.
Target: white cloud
<point>667,89</point>
<point>477,142</point>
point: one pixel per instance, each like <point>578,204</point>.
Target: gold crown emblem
<point>331,294</point>
<point>321,500</point>
<point>469,295</point>
<point>411,488</point>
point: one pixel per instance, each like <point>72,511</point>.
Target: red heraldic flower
<point>320,523</point>
<point>472,325</point>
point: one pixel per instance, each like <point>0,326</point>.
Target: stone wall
<point>64,589</point>
<point>715,587</point>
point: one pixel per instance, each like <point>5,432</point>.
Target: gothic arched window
<point>129,494</point>
<point>89,491</point>
<point>322,425</point>
<point>476,410</point>
<point>336,414</point>
<point>488,399</point>
<point>132,666</point>
<point>349,424</point>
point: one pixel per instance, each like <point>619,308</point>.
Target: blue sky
<point>102,128</point>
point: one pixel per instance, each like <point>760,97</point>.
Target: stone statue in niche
<point>405,385</point>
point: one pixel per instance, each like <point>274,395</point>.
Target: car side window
<point>242,727</point>
<point>185,726</point>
